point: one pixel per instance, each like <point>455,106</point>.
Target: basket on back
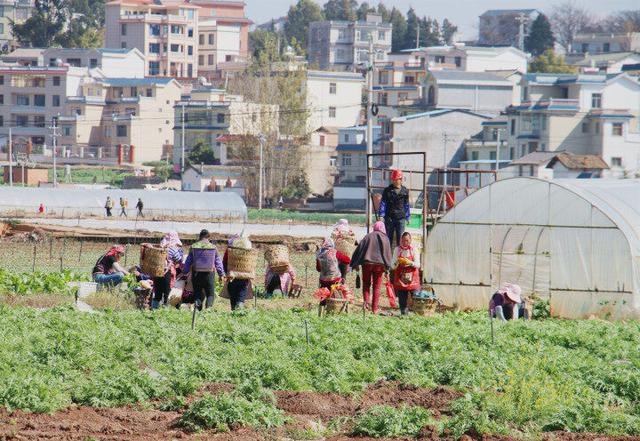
<point>277,256</point>
<point>345,242</point>
<point>242,263</point>
<point>153,260</point>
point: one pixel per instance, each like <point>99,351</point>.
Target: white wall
<point>346,100</point>
<point>131,66</point>
<point>507,60</point>
<point>228,43</point>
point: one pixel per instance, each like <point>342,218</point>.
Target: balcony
<point>478,143</point>
<point>28,109</point>
<point>561,104</point>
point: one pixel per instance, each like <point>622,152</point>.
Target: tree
<point>363,10</point>
<point>47,21</point>
<point>298,19</point>
<point>297,188</point>
<point>449,30</point>
<point>567,21</point>
<point>549,62</point>
<point>399,31</point>
<point>384,12</point>
<point>429,32</point>
<point>411,36</point>
<point>540,36</point>
<point>340,10</point>
<point>202,153</point>
<point>623,22</point>
<point>80,34</point>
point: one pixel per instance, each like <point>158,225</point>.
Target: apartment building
<point>16,11</point>
<point>218,119</point>
<point>607,63</point>
<point>593,114</point>
<point>481,152</point>
<point>124,63</point>
<point>602,43</point>
<point>333,98</point>
<point>112,112</point>
<point>500,27</point>
<point>165,32</point>
<point>31,97</point>
<point>344,45</point>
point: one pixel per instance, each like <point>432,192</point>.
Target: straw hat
<point>513,292</point>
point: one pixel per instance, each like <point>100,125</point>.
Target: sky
<point>463,13</point>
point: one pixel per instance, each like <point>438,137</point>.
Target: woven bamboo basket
<point>424,307</point>
<point>153,259</point>
<point>277,256</point>
<point>346,245</point>
<point>336,306</point>
<point>143,298</point>
<point>242,263</point>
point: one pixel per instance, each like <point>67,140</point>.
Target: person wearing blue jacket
<point>395,208</point>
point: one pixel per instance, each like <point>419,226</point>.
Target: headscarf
<point>171,239</point>
<point>232,239</point>
<point>114,250</point>
<point>327,246</point>
<point>342,225</point>
<point>379,226</point>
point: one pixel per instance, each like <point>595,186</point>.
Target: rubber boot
<point>155,304</point>
<point>209,303</point>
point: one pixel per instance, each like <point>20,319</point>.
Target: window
<point>1,80</point>
<point>332,88</point>
<point>606,47</point>
<point>154,48</point>
<point>38,100</point>
<point>346,160</point>
<point>175,29</point>
<point>220,118</point>
<point>66,130</point>
<point>512,152</point>
<point>175,48</point>
<point>339,54</point>
<point>22,121</point>
<point>133,91</point>
<point>227,58</point>
<point>1,11</point>
<point>382,35</point>
<point>597,128</point>
<point>440,59</point>
<point>616,162</point>
<point>322,140</point>
<point>154,29</point>
<point>189,70</point>
<point>154,68</point>
<point>210,41</point>
<point>474,156</point>
<point>543,122</point>
<point>332,112</point>
<point>201,39</point>
<point>55,100</point>
<point>402,96</point>
<point>596,101</point>
<point>346,138</point>
<point>342,34</point>
<point>513,127</point>
<point>77,111</point>
<point>38,120</point>
<point>189,50</point>
<point>363,35</point>
<point>382,99</point>
<point>1,99</point>
<point>22,100</point>
<point>409,79</point>
<point>121,130</point>
<point>123,29</point>
<point>123,45</point>
<point>190,32</point>
<point>1,120</point>
<point>210,60</point>
<point>585,127</point>
<point>149,92</point>
<point>458,61</point>
<point>585,47</point>
<point>383,77</point>
<point>200,60</point>
<point>492,156</point>
<point>616,129</point>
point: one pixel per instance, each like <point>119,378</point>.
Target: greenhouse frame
<point>575,242</point>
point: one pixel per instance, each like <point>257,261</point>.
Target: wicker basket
<point>242,263</point>
<point>336,306</point>
<point>277,256</point>
<point>346,246</point>
<point>143,298</point>
<point>424,307</point>
<point>153,259</point>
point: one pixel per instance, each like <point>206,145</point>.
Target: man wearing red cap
<point>394,207</point>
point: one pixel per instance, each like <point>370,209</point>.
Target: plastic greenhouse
<point>575,242</point>
<point>80,202</point>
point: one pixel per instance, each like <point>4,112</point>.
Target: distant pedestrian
<point>124,204</point>
<point>281,203</point>
<point>41,208</point>
<point>140,206</point>
<point>108,205</point>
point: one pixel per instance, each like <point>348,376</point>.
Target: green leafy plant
<point>387,421</point>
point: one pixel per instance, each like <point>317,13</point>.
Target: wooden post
<point>33,265</point>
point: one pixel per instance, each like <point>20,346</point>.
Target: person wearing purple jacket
<point>202,261</point>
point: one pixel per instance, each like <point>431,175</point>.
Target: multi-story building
<point>582,114</point>
<point>481,152</point>
<point>223,37</point>
<point>217,119</point>
<point>599,43</point>
<point>165,32</point>
<point>124,63</point>
<point>16,11</point>
<point>344,45</point>
<point>31,97</point>
<point>607,63</point>
<point>333,98</point>
<point>111,112</point>
<point>24,56</point>
<point>500,27</point>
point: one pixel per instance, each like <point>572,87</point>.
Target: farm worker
<point>374,255</point>
<point>162,285</point>
<point>140,206</point>
<point>124,203</point>
<point>342,230</point>
<point>41,208</point>
<point>238,290</point>
<point>108,205</point>
<point>108,271</point>
<point>328,261</point>
<point>394,207</point>
<point>406,271</point>
<point>506,303</point>
<point>283,282</point>
<point>203,260</point>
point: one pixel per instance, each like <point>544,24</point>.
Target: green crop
<point>38,282</point>
<point>387,421</point>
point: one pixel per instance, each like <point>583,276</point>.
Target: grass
<point>537,376</point>
<point>98,175</point>
<point>275,215</point>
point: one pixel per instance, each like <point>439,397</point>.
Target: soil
<point>307,410</point>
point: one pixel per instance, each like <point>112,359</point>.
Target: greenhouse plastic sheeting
<point>575,242</point>
<point>76,202</point>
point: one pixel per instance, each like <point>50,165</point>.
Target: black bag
<point>358,280</point>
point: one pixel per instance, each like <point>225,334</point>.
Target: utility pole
<point>182,142</point>
<point>54,136</point>
<point>369,118</point>
<point>497,153</point>
<point>418,36</point>
<point>10,158</point>
<point>521,19</point>
<point>445,139</point>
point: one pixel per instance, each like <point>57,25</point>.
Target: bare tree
<point>567,20</point>
<point>623,22</point>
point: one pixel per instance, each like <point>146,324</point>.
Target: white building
<point>609,63</point>
<point>333,98</point>
<point>598,43</point>
<point>213,178</point>
<point>556,165</point>
<point>481,152</point>
<point>120,63</point>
